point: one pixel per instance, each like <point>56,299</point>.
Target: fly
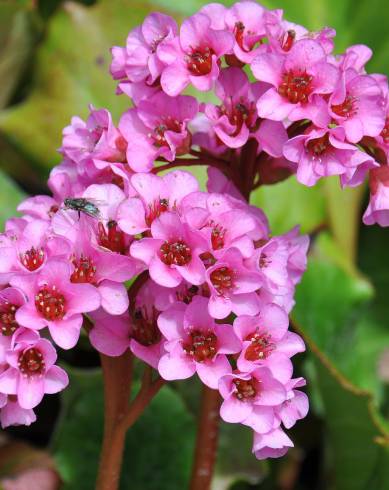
<point>82,205</point>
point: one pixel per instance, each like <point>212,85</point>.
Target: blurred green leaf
<point>159,446</point>
<point>289,203</point>
<point>10,197</point>
<point>72,71</point>
<point>18,35</point>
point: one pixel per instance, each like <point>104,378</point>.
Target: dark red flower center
<point>167,124</point>
<point>50,303</point>
<point>296,86</point>
<point>201,345</point>
<point>84,270</point>
<point>156,209</point>
<point>175,253</point>
<point>53,210</point>
<point>239,33</point>
<point>385,132</point>
<point>222,279</point>
<point>144,327</point>
<point>8,323</point>
<point>242,113</point>
<point>288,40</point>
<point>199,61</point>
<point>260,348</point>
<point>187,294</point>
<point>346,108</point>
<point>33,258</point>
<point>318,146</point>
<point>217,237</point>
<point>113,239</point>
<point>245,390</point>
<point>31,362</point>
<point>264,261</point>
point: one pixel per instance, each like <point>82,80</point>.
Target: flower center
<point>156,209</point>
<point>385,132</point>
<point>8,324</point>
<point>84,270</point>
<point>33,258</point>
<point>260,347</point>
<point>217,237</point>
<point>167,124</point>
<point>222,279</point>
<point>50,303</point>
<point>199,62</point>
<point>113,239</point>
<point>264,261</point>
<point>245,390</point>
<point>347,108</point>
<point>242,113</point>
<point>288,40</point>
<point>31,362</point>
<point>201,345</point>
<point>239,33</point>
<point>175,253</point>
<point>318,146</point>
<point>53,210</point>
<point>144,329</point>
<point>296,86</point>
<point>187,294</point>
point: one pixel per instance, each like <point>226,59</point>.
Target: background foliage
<point>54,61</point>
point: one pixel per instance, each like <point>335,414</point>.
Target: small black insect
<point>82,205</point>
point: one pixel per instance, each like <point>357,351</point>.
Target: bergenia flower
<point>194,56</point>
<point>195,343</point>
<point>299,79</point>
<point>32,372</point>
<point>54,301</point>
<point>157,128</point>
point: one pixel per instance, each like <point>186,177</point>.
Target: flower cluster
<point>211,287</point>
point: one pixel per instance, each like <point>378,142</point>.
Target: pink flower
<point>32,372</point>
<point>13,414</point>
<point>357,105</point>
<point>28,250</point>
<point>139,60</point>
<point>250,398</point>
<point>157,128</point>
<point>110,335</point>
<point>323,152</point>
<point>172,253</point>
<point>54,301</point>
<point>274,444</point>
<point>232,286</point>
<point>378,208</point>
<point>194,56</point>
<point>11,299</point>
<point>147,342</point>
<point>156,195</point>
<point>39,207</point>
<point>267,342</point>
<point>296,406</point>
<point>298,79</point>
<point>95,138</point>
<point>195,343</point>
<point>247,21</point>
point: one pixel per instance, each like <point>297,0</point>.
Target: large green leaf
<point>159,446</point>
<point>335,317</point>
<point>72,71</point>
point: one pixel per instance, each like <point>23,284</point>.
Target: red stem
<point>206,441</point>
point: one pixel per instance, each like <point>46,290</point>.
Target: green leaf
<point>10,197</point>
<point>159,446</point>
<point>72,71</point>
<point>334,316</point>
<point>18,35</point>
